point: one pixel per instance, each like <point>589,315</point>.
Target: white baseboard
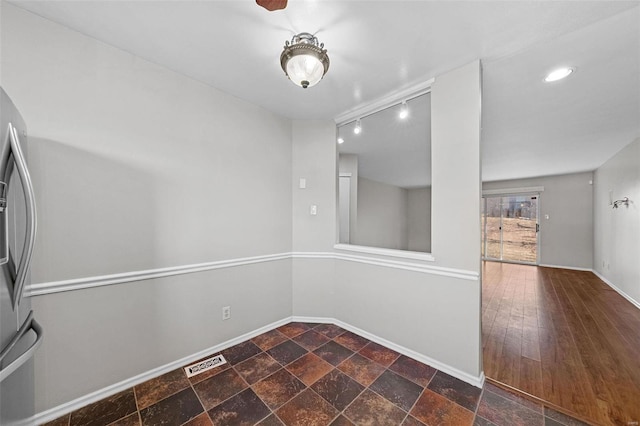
<point>477,381</point>
<point>68,407</point>
<point>314,320</point>
<point>605,280</point>
<point>620,292</point>
<point>597,274</point>
<point>573,268</point>
<point>100,394</point>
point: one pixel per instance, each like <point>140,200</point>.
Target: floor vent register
<point>202,366</point>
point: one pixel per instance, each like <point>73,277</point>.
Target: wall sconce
<point>618,203</point>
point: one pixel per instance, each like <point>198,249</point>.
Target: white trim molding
<point>41,289</point>
<point>410,266</point>
<point>68,407</point>
<point>389,263</point>
<point>620,292</point>
<point>393,98</point>
<point>573,268</point>
<point>477,381</point>
<point>416,255</point>
<point>509,191</point>
<point>102,280</point>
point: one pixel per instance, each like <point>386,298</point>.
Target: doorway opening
<point>510,228</point>
<point>344,208</point>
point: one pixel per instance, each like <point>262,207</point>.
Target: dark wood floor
<point>563,336</point>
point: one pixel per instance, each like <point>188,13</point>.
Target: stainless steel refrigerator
<point>20,334</point>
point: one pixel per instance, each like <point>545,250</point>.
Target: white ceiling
<point>393,150</point>
<point>378,47</point>
<point>533,128</point>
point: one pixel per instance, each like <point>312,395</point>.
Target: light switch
<point>313,210</point>
<point>303,183</point>
<point>546,216</point>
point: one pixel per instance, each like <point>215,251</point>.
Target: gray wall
<point>456,168</point>
<point>393,217</point>
<point>131,328</point>
<point>382,215</point>
<point>566,238</point>
<point>617,231</point>
<point>136,167</point>
<point>456,105</point>
<point>315,158</point>
<point>434,315</point>
<point>419,219</point>
<point>348,163</point>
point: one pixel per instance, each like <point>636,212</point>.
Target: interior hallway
<point>563,336</point>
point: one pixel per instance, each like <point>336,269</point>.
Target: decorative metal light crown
<point>304,60</point>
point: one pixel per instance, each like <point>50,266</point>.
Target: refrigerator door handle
<point>29,324</point>
<point>31,224</point>
<point>4,257</point>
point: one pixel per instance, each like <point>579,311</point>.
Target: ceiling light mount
<point>304,60</point>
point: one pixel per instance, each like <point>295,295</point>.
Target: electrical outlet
<point>226,312</point>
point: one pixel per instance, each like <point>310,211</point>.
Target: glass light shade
<point>305,68</point>
<point>304,60</point>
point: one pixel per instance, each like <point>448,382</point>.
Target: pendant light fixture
<point>304,60</point>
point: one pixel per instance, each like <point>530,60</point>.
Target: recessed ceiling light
<point>559,74</point>
<point>340,140</point>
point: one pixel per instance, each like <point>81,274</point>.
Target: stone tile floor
<point>313,374</point>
